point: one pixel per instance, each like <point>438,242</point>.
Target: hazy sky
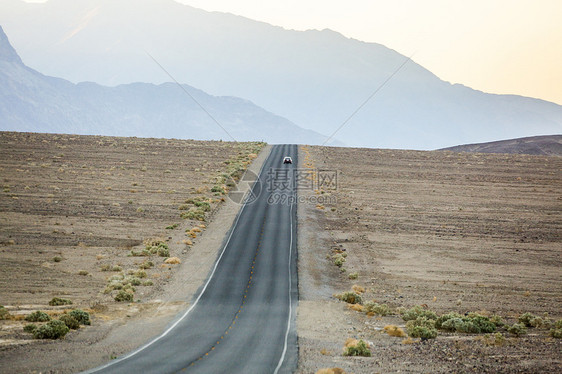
<point>497,46</point>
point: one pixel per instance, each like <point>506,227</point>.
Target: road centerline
<point>233,323</point>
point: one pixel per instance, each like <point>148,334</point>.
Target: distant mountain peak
<point>35,102</point>
<point>7,52</point>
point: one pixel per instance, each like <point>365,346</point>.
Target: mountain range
<point>315,79</point>
<point>31,101</point>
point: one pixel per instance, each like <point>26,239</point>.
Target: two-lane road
<point>243,318</point>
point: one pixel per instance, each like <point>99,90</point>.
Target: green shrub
<point>461,325</point>
<point>353,276</point>
<point>218,189</point>
<point>444,318</point>
<point>361,349</point>
<point>129,288</point>
<point>4,314</point>
<point>55,301</point>
<point>558,324</point>
<point>418,311</point>
<point>146,265</point>
<point>496,339</point>
<point>526,318</point>
<point>203,205</point>
<point>116,278</point>
<point>473,323</point>
<point>378,309</point>
<point>123,296</point>
<point>538,322</point>
<point>70,321</point>
<point>52,330</point>
<point>83,272</point>
<point>194,213</point>
<point>38,316</point>
<point>116,268</point>
<point>163,251</point>
<point>339,260</point>
<point>57,259</point>
<point>421,327</point>
<point>517,329</point>
<point>530,320</point>
<point>497,320</point>
<point>140,273</point>
<point>105,267</point>
<point>482,323</point>
<point>115,285</point>
<point>134,281</point>
<point>144,252</point>
<point>171,227</point>
<point>556,333</point>
<point>30,328</point>
<point>350,298</point>
<point>147,283</point>
<point>81,316</point>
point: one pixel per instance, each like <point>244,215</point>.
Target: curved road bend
<point>243,318</point>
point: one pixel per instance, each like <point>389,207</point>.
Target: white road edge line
<point>196,300</point>
<point>290,299</point>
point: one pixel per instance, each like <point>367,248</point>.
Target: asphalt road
<point>243,318</point>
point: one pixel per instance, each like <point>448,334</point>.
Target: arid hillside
<point>548,145</point>
<point>449,232</point>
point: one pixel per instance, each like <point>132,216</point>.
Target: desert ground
<point>78,211</point>
<point>447,231</point>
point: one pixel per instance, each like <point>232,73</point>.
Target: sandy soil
<point>78,198</point>
<point>449,231</point>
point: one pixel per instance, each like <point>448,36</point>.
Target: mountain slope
<point>536,145</point>
<point>314,78</point>
<point>30,101</point>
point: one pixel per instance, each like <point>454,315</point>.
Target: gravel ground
<point>448,231</point>
<point>32,215</point>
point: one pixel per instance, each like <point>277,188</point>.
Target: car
<point>287,160</point>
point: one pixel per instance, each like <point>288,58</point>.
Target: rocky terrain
<point>90,218</point>
<point>450,232</point>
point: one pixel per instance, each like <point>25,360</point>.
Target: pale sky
<point>497,46</point>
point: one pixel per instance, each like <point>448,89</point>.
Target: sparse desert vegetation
<point>460,252</point>
<point>79,214</point>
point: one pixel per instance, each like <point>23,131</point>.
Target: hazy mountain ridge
<point>550,145</point>
<point>316,79</point>
<point>31,101</point>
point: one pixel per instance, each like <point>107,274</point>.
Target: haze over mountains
<point>316,79</point>
<point>30,101</point>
